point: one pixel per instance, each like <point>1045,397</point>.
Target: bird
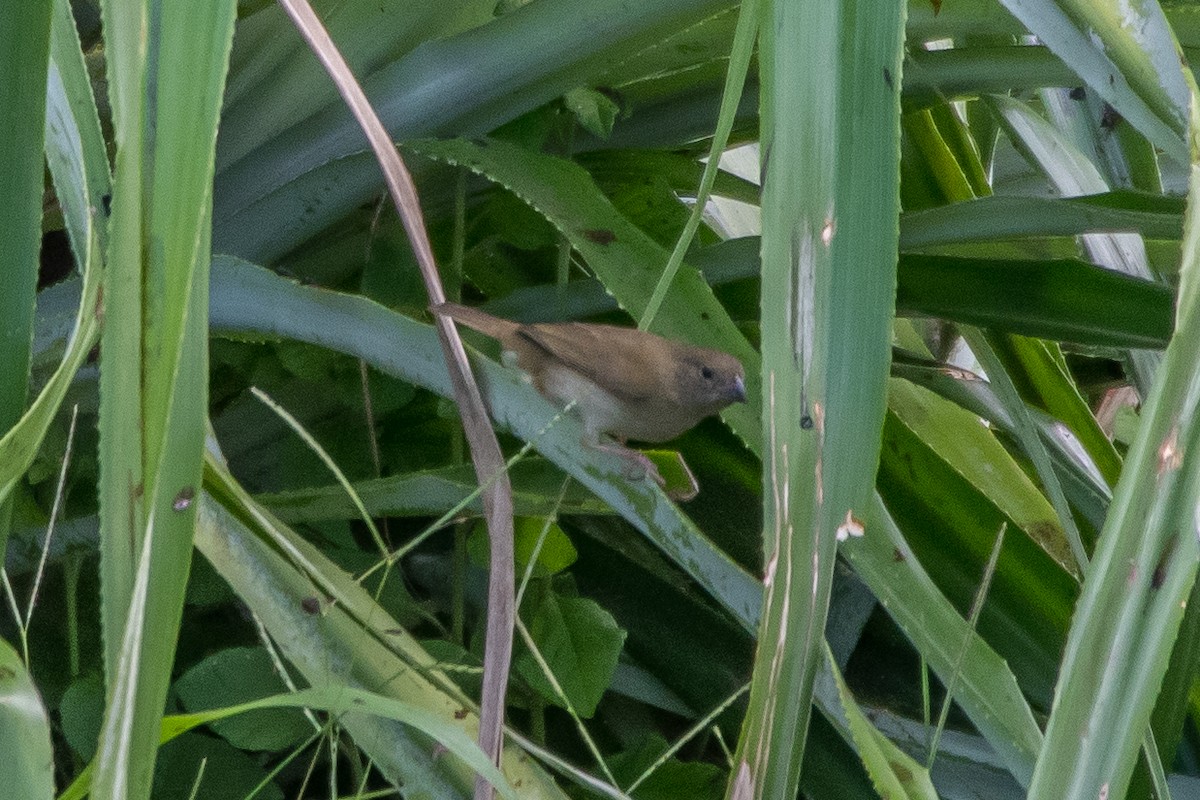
<point>623,383</point>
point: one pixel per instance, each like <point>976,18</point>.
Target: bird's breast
<point>602,412</point>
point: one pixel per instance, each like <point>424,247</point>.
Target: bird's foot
<point>639,466</point>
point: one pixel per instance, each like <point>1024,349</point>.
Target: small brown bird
<point>626,383</point>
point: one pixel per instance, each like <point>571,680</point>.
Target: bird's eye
<point>706,373</point>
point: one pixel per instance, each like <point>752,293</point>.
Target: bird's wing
<point>611,357</point>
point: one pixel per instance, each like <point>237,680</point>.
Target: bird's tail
<point>481,321</point>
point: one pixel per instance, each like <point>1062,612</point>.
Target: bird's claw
<point>639,466</point>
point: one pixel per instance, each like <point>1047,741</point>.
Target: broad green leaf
<point>951,527</point>
<point>484,76</point>
<point>347,700</point>
<point>974,66</point>
<point>670,779</point>
<point>1003,217</point>
<point>1066,300</point>
<point>681,171</point>
<point>26,758</point>
<point>1061,300</point>
<point>554,554</point>
<point>958,437</point>
<point>192,766</point>
<point>1071,173</point>
<point>76,157</point>
<point>239,675</point>
<point>75,154</point>
<point>81,710</point>
<point>166,71</point>
<point>19,445</point>
<point>75,149</point>
<point>1040,370</point>
<point>275,82</point>
<point>1085,486</point>
<point>580,642</point>
<point>830,114</point>
<point>343,701</point>
<point>24,56</point>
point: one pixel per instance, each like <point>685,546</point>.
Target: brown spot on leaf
<point>1164,563</point>
<point>600,235</point>
<point>1109,117</point>
<point>310,605</point>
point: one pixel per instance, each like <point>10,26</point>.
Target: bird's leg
<point>638,464</point>
<point>642,466</point>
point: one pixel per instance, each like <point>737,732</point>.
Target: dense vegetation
<point>949,243</point>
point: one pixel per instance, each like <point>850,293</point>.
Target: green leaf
<point>1062,300</point>
<point>670,780</point>
<point>81,711</point>
<point>238,675</point>
<point>276,83</point>
<point>556,553</point>
<point>581,642</point>
<point>26,759</point>
<point>831,201</point>
<point>211,768</point>
<point>24,55</point>
<point>501,70</point>
<point>958,437</point>
<point>893,772</point>
<point>166,72</point>
<point>1133,65</point>
<point>537,485</point>
<point>1141,575</point>
<point>595,111</point>
<point>365,330</point>
<point>987,689</point>
<point>1003,217</point>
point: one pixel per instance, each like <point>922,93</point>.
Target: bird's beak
<point>738,392</point>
